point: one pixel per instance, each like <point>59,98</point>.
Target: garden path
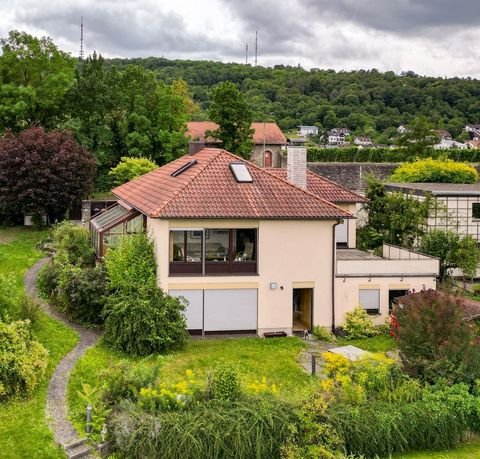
<point>56,409</point>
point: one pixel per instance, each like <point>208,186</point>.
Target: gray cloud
<point>123,29</point>
<point>413,16</point>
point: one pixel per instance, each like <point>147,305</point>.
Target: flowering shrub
<point>358,324</point>
<point>262,387</point>
<point>171,397</point>
<point>436,171</point>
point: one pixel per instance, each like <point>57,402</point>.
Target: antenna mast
<point>256,47</point>
<point>246,53</point>
<point>81,39</point>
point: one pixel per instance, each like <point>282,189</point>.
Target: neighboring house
<point>345,233</point>
<point>473,131</point>
<point>363,141</point>
<point>443,134</point>
<point>344,130</point>
<point>457,209</point>
<point>473,144</point>
<point>402,129</point>
<point>305,131</point>
<point>335,137</point>
<point>446,144</point>
<point>268,140</point>
<point>252,251</point>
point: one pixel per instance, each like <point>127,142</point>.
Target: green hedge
<point>387,155</point>
<point>243,430</point>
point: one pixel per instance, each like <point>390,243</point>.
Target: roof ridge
<point>180,189</point>
<point>318,198</point>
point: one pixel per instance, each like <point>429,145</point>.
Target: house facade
<point>363,141</point>
<point>305,131</point>
<point>269,141</point>
<point>253,249</point>
<point>457,205</point>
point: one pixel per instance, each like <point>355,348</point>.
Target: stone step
<point>74,444</point>
<point>78,451</point>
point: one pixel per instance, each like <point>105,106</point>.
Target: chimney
<point>297,166</point>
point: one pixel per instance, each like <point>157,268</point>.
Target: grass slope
<point>23,429</point>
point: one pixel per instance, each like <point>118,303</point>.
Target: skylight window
<point>241,173</point>
<point>183,168</point>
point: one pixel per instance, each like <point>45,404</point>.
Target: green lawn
<point>379,343</point>
<point>23,430</point>
<point>470,450</point>
<point>255,358</point>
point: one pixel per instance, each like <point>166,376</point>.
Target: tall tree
<point>35,77</point>
<point>230,110</point>
<point>43,173</point>
<point>393,218</point>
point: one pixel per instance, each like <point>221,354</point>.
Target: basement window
<point>241,173</point>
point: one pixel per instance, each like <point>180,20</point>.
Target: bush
<point>144,322</point>
<point>434,340</point>
<point>82,293</point>
<point>130,168</point>
<point>139,317</point>
<point>436,171</point>
<point>48,279</point>
<point>28,308</point>
<point>358,324</point>
<point>242,430</point>
<point>23,360</point>
<point>323,334</point>
<point>131,266</point>
<point>224,383</point>
<point>72,243</point>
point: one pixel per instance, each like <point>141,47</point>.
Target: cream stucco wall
<point>291,253</point>
<point>347,292</point>
<point>352,223</point>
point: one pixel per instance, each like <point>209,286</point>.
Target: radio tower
<point>81,39</point>
<point>246,53</point>
<point>256,47</point>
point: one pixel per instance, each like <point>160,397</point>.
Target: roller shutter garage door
<point>220,310</point>
<point>230,310</point>
<point>194,310</point>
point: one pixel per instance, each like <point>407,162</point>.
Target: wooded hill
<point>367,101</point>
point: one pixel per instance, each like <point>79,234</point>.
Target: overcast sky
<point>432,37</point>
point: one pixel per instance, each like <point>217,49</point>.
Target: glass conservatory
<point>107,227</point>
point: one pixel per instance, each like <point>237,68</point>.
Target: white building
<point>305,131</point>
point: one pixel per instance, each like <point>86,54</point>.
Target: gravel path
<point>56,409</point>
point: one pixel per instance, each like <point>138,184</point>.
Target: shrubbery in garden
<point>435,341</point>
<point>358,324</point>
<point>23,360</point>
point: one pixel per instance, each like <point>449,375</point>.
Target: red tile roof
<point>208,189</point>
<point>323,188</point>
<point>273,134</point>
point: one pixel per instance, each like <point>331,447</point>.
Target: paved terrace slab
<point>355,254</point>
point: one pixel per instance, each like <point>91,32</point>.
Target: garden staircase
<point>78,449</point>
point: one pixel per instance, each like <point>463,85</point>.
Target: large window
<point>213,251</point>
<point>186,248</point>
<point>369,299</point>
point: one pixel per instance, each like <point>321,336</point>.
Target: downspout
<point>334,270</point>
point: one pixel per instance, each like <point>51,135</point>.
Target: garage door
<point>194,310</point>
<point>220,310</point>
<point>230,310</point>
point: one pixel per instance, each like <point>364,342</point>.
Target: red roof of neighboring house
<point>273,134</point>
<point>196,130</point>
<point>208,189</point>
<point>323,188</point>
